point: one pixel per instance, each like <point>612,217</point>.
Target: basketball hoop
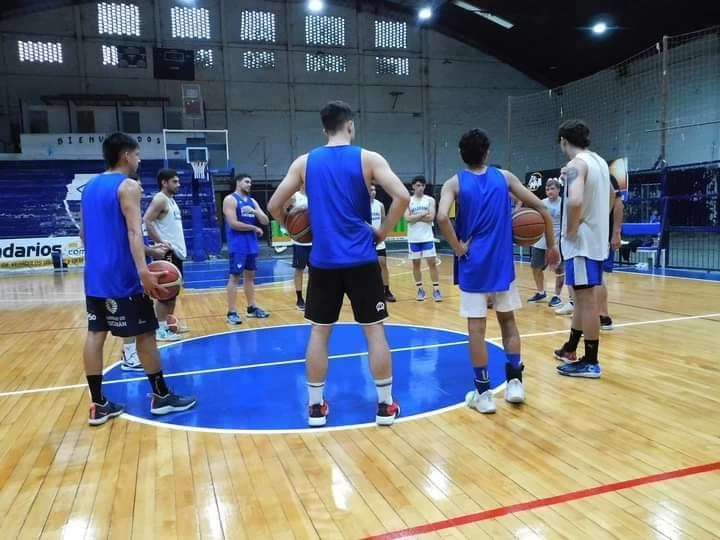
<point>199,168</point>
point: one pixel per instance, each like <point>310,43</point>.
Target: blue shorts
<point>421,250</point>
<point>609,263</point>
<point>242,262</point>
<point>583,273</point>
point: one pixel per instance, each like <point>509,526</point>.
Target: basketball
<point>297,224</point>
<point>528,226</point>
<point>170,283</point>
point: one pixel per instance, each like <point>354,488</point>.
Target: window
<point>257,26</point>
<point>131,121</point>
<point>191,23</point>
<point>85,121</point>
<point>204,58</point>
<point>40,52</point>
<point>331,63</point>
<point>324,30</point>
<point>118,19</point>
<point>110,55</point>
<point>39,122</point>
<point>388,65</point>
<point>390,35</point>
<point>259,60</point>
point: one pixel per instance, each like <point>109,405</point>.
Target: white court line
<point>332,357</point>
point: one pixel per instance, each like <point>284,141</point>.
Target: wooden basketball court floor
<point>635,454</point>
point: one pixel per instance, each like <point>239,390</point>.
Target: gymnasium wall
<point>272,114</point>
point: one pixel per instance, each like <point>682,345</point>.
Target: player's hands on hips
<point>259,232</point>
<point>553,257</point>
<point>150,282</point>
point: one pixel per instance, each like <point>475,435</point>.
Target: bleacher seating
<point>650,231</point>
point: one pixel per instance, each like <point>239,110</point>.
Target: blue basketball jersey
<point>485,218</point>
<point>339,205</point>
<point>109,267</point>
<point>243,241</point>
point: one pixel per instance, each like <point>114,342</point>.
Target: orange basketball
<point>169,283</point>
<point>528,226</point>
<point>297,224</point>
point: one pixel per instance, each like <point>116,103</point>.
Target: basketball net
<point>199,168</point>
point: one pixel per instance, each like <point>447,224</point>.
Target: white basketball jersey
<point>376,211</point>
<point>301,201</point>
<point>592,236</point>
<point>171,229</point>
<point>420,231</point>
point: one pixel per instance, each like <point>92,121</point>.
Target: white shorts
<point>421,250</point>
<point>474,305</point>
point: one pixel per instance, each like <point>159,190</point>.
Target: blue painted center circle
<point>254,379</point>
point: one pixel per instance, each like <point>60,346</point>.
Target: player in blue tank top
<point>116,273</point>
<point>337,178</point>
<point>482,241</point>
<point>242,219</point>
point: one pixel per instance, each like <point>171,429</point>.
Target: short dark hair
<point>474,146</point>
<point>164,175</point>
<point>576,132</point>
<point>420,179</point>
<point>238,177</point>
<point>114,145</point>
<point>334,115</point>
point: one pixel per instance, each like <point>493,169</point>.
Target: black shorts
<point>123,317</point>
<point>172,258</point>
<point>301,256</point>
<point>363,285</point>
<point>382,252</point>
<point>537,258</point>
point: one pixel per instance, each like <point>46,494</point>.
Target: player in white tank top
<point>584,245</point>
<point>377,212</point>
<point>421,241</point>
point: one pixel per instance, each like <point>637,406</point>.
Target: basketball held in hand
<point>528,226</point>
<point>297,225</point>
<point>170,282</point>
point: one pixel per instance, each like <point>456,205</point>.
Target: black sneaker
<point>300,305</point>
<point>318,413</point>
<point>390,297</point>
<point>171,403</point>
<point>386,414</point>
<point>606,324</point>
<point>257,312</point>
<point>99,414</point>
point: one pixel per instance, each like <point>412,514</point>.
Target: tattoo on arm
<point>571,175</point>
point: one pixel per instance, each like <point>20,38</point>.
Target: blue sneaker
<point>257,312</point>
<point>537,297</point>
<point>170,403</point>
<point>420,295</point>
<point>233,318</point>
<point>437,295</point>
<point>555,301</point>
<point>580,369</point>
<point>99,414</point>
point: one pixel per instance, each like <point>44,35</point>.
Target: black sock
<point>591,351</point>
<point>436,285</point>
<point>95,384</point>
<point>572,343</point>
<point>157,383</point>
<point>299,296</point>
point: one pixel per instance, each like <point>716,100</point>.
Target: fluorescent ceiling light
<point>478,11</point>
<point>600,28</point>
<point>425,13</point>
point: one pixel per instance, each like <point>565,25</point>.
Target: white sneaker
<point>164,334</point>
<point>514,391</point>
<point>567,309</point>
<point>131,362</point>
<point>484,403</point>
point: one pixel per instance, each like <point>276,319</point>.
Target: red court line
<point>548,501</point>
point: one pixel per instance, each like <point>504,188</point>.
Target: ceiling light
<point>489,16</point>
<point>599,28</point>
<point>425,13</point>
<point>316,6</point>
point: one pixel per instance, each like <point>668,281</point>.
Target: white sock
<point>384,390</point>
<point>129,349</point>
<point>315,393</point>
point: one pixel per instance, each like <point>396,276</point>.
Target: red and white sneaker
<point>318,413</point>
<point>386,414</point>
<point>565,356</point>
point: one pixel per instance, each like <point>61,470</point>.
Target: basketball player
<point>337,179</point>
<point>115,275</point>
<point>163,222</point>
<point>301,252</point>
<point>616,219</point>
<point>584,245</point>
<point>538,252</point>
<point>482,241</point>
<point>378,215</point>
<point>242,215</point>
<point>421,241</point>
